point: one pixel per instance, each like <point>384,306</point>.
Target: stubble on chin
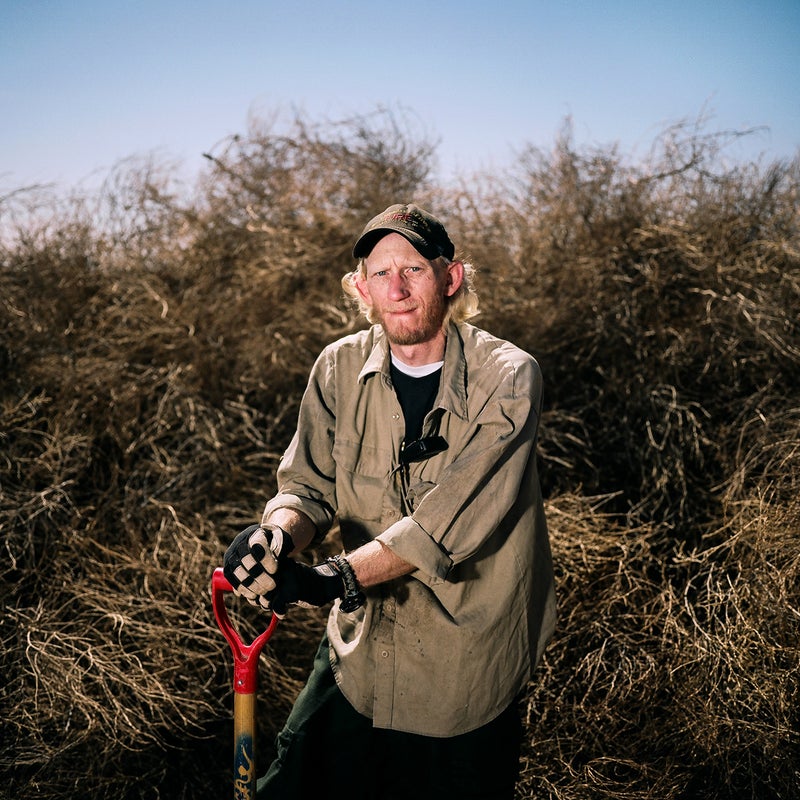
<point>425,329</point>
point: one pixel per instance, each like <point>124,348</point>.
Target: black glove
<point>253,559</point>
<point>304,585</point>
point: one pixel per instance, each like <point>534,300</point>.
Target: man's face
<point>405,291</point>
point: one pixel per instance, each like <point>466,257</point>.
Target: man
<point>418,435</point>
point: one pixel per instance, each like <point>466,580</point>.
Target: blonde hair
<point>461,306</point>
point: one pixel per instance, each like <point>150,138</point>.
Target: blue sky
<point>85,84</point>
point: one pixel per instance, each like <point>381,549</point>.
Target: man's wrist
<point>296,523</point>
<point>353,596</point>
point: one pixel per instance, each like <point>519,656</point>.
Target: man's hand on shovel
<point>258,568</point>
<point>252,561</point>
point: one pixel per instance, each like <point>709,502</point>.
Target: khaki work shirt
<point>447,648</point>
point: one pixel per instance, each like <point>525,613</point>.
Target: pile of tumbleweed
<point>154,343</point>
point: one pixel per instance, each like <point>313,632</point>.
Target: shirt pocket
<point>362,477</point>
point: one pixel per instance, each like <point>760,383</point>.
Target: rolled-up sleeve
<point>307,472</point>
<point>413,544</point>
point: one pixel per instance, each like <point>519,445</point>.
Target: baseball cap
<point>419,226</point>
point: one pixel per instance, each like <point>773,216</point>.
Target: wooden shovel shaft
<point>244,746</point>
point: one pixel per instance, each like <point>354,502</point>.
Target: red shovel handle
<point>245,656</point>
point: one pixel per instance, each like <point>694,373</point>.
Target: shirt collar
<point>453,388</point>
<point>378,360</point>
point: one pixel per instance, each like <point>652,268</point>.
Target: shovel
<point>245,684</point>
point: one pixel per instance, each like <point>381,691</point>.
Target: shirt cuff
<point>412,543</point>
<point>314,511</point>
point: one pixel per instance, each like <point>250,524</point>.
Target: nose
<point>398,288</point>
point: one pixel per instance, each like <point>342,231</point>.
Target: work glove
<point>304,585</point>
<point>253,560</point>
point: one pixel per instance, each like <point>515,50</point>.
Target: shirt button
<point>384,653</point>
<point>395,416</point>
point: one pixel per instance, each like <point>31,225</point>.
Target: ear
<point>361,287</point>
<point>454,278</point>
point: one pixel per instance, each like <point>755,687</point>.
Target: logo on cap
<point>422,229</point>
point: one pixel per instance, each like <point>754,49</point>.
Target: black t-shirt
<point>416,396</point>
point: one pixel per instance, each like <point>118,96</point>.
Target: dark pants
<point>328,750</point>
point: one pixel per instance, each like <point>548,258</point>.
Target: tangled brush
<point>153,352</point>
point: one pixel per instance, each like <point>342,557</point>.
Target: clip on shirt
<point>422,449</point>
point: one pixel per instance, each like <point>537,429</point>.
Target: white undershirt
<point>416,372</point>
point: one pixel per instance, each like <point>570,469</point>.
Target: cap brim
<point>363,247</point>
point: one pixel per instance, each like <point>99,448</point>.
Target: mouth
<point>400,311</point>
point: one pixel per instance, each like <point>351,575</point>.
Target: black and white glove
<point>304,585</point>
<point>253,560</point>
<point>316,586</point>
